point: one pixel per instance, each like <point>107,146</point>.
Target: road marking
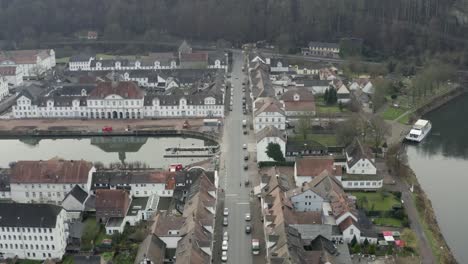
<point>232,194</point>
<point>242,203</point>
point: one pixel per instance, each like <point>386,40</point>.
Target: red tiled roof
<point>51,171</point>
<point>196,56</point>
<point>8,70</point>
<point>127,90</point>
<point>299,106</point>
<point>112,201</point>
<point>23,56</point>
<point>347,223</point>
<point>313,166</point>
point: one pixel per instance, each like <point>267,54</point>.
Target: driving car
<point>224,246</point>
<point>247,217</point>
<point>248,229</point>
<point>225,221</point>
<point>226,211</point>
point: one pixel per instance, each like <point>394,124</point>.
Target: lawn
<point>376,201</point>
<point>388,222</point>
<point>325,109</point>
<point>392,113</point>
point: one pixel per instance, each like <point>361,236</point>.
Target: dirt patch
<point>20,128</point>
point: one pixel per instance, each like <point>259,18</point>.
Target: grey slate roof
<point>28,215</point>
<point>324,44</point>
<point>79,194</point>
<point>82,57</point>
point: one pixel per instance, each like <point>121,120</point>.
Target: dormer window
<point>83,92</point>
<point>296,97</point>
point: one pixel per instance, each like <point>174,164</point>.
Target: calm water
<point>441,165</point>
<point>103,149</point>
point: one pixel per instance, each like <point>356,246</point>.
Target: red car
<point>107,129</point>
<point>176,167</point>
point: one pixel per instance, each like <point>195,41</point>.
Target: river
<point>441,165</point>
<point>103,149</point>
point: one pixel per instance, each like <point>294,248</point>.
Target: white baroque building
<point>32,63</point>
<point>268,112</point>
<point>32,231</point>
<point>48,181</point>
<point>120,100</point>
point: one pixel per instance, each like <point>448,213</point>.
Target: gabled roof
<point>78,193</point>
<point>152,249</point>
<point>269,131</point>
<point>185,47</point>
<point>312,166</point>
<point>304,95</point>
<point>112,200</point>
<point>347,223</point>
<point>268,104</point>
<point>357,151</point>
<point>51,171</point>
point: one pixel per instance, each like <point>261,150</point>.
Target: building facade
<point>266,136</point>
<point>12,75</point>
<point>119,100</point>
<point>268,112</point>
<point>3,88</point>
<point>32,231</point>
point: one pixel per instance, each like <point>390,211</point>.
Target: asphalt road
<point>232,174</point>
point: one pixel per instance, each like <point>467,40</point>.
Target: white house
<point>268,112</point>
<point>308,168</point>
<point>80,62</point>
<point>343,94</point>
<point>322,49</point>
<point>265,136</point>
<point>32,231</point>
<point>13,75</point>
<point>32,63</point>
<point>140,183</point>
<point>120,100</point>
<point>74,203</point>
<point>361,170</point>
<point>349,229</point>
<point>48,181</point>
<point>304,199</point>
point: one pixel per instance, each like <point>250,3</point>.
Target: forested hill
<point>386,25</point>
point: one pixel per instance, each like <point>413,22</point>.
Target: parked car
<point>246,131</point>
<point>225,221</point>
<point>224,257</point>
<point>224,246</point>
<point>107,129</point>
<point>244,146</point>
<point>248,229</point>
<point>226,236</point>
<point>226,211</point>
<point>246,166</point>
<point>247,217</point>
<point>246,156</point>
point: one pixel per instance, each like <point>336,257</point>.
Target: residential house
<point>315,86</point>
<point>32,231</point>
<point>267,135</point>
<point>5,188</point>
<point>3,88</point>
<point>13,76</point>
<point>343,94</point>
<point>304,199</point>
<point>32,63</point>
<point>111,204</point>
<point>361,169</point>
<point>81,62</point>
<point>48,181</point>
<point>298,102</point>
<point>139,183</point>
<point>268,112</point>
<point>322,49</point>
<point>306,169</point>
<point>196,244</point>
<point>74,203</point>
<point>168,229</point>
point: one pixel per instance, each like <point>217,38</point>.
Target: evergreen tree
<point>326,95</point>
<point>274,151</point>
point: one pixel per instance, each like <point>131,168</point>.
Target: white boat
<point>419,131</point>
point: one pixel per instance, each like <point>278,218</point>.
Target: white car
<point>226,211</point>
<point>226,236</point>
<point>244,146</point>
<point>224,247</point>
<point>247,217</point>
<point>224,256</point>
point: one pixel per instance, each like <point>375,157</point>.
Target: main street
<point>232,175</point>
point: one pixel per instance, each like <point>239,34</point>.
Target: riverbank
<point>428,219</point>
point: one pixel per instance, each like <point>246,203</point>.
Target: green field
<point>388,222</point>
<point>92,231</point>
<point>392,113</point>
<point>325,109</point>
<point>376,201</point>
